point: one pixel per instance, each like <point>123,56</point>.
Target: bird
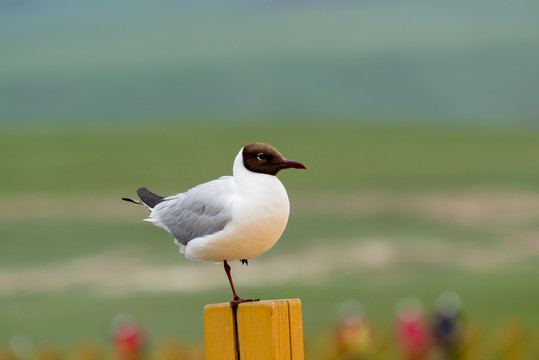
<point>236,217</point>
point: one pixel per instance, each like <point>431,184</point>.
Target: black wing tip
<point>142,191</point>
<point>149,198</point>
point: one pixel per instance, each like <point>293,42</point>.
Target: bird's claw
<point>238,300</point>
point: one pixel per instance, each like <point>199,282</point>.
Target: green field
<point>382,212</point>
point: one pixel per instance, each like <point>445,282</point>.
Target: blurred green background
<point>417,122</point>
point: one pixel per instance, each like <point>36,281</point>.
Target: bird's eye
<point>261,156</point>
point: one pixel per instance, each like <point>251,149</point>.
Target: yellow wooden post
<point>220,332</point>
<point>296,329</point>
<point>261,330</point>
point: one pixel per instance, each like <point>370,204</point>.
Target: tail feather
<point>131,200</point>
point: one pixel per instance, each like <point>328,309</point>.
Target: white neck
<point>238,168</point>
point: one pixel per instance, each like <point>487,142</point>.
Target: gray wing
<point>203,210</point>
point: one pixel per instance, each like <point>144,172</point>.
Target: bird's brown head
<point>265,159</point>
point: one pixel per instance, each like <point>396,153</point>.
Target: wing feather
<point>203,210</point>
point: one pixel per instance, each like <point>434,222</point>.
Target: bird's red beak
<point>289,164</point>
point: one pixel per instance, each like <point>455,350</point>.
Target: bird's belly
<point>254,230</point>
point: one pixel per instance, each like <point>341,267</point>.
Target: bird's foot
<point>244,261</point>
<point>238,300</point>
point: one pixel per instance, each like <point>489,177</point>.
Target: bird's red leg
<point>227,270</point>
<point>237,300</point>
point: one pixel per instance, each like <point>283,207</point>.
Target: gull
<point>234,217</point>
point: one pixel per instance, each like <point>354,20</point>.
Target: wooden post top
<point>268,329</point>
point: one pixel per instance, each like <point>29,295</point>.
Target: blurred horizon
<point>413,61</point>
